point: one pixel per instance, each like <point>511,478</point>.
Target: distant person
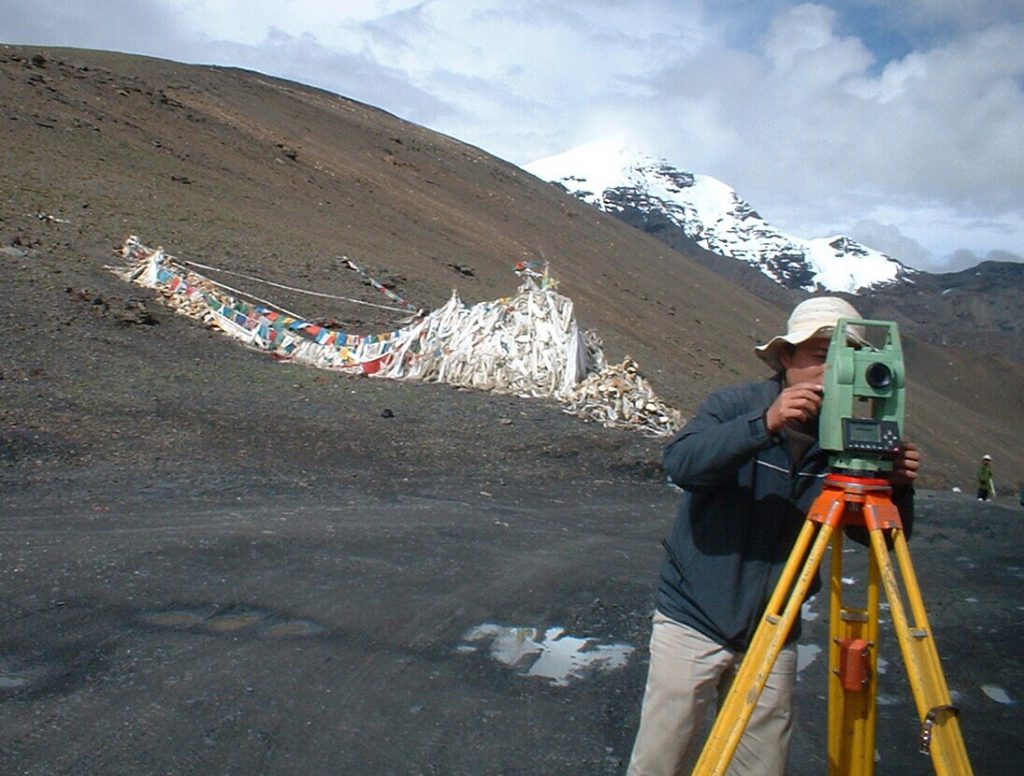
<point>986,485</point>
<point>750,467</point>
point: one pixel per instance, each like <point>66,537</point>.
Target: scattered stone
<point>136,313</point>
<point>288,151</point>
<point>462,269</point>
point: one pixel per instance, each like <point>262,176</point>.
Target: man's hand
<point>906,465</point>
<point>796,404</point>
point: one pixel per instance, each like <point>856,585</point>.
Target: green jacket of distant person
<point>985,474</point>
<point>986,487</point>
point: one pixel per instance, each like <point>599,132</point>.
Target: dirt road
<point>398,636</point>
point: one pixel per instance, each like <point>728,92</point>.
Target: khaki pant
<point>689,675</point>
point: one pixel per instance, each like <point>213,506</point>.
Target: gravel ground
<point>214,562</point>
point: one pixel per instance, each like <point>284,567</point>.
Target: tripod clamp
<point>929,722</point>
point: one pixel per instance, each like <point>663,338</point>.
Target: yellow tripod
<point>853,657</point>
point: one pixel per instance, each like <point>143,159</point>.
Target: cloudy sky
<point>898,122</point>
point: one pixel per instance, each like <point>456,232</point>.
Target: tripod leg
<point>733,717</point>
<point>853,664</point>
<point>940,729</point>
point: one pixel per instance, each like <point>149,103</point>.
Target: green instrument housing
<point>862,410</point>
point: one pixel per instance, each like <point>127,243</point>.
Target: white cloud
<point>802,107</point>
<point>888,239</point>
<point>801,44</point>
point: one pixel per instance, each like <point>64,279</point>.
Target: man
<point>986,486</point>
<point>751,467</point>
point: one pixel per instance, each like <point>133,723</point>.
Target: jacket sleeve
<point>726,433</point>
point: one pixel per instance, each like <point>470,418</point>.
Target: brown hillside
<point>274,179</point>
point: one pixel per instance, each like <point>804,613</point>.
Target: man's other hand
<point>906,464</point>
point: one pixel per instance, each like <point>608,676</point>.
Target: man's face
<point>806,363</point>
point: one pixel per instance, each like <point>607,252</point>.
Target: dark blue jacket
<point>744,503</point>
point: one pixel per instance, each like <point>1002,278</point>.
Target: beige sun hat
<point>815,317</point>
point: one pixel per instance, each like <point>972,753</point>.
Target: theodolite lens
<point>879,376</point>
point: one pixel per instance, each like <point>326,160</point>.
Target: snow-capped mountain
<point>712,215</point>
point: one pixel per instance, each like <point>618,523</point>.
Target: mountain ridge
<point>711,213</point>
<point>707,219</point>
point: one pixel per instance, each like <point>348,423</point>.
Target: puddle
<point>807,609</point>
<point>13,681</point>
<point>255,621</point>
<point>551,654</point>
<point>294,628</point>
<point>19,675</point>
<point>998,694</point>
<point>229,623</point>
<point>173,619</point>
<point>805,655</point>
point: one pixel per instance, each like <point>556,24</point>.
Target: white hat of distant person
<point>815,317</point>
<point>986,457</point>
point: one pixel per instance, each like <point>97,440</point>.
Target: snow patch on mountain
<point>615,179</point>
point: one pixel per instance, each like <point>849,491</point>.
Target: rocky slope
<point>276,181</point>
<point>977,309</point>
